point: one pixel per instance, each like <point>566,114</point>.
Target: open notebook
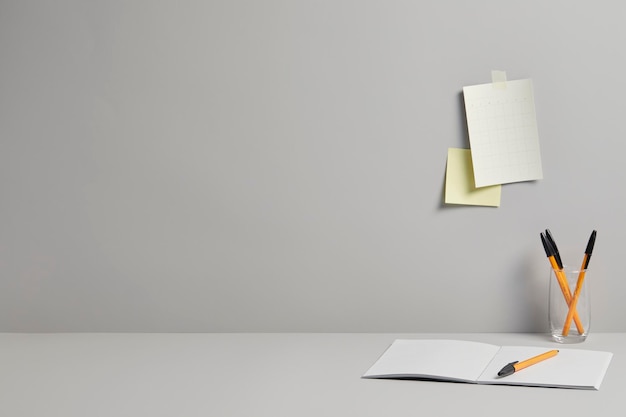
<point>479,363</point>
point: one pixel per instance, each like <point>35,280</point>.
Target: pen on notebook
<point>562,280</point>
<point>579,283</point>
<point>518,366</point>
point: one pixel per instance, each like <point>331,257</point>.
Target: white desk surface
<point>266,374</point>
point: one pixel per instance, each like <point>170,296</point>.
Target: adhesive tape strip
<point>498,79</point>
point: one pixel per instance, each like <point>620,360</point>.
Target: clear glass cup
<point>566,285</point>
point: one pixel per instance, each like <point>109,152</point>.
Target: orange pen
<point>518,366</point>
<point>562,280</point>
<point>579,284</point>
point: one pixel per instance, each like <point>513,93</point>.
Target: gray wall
<point>279,165</point>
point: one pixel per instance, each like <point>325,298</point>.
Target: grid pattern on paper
<point>503,135</point>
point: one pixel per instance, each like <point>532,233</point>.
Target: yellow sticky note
<point>460,187</point>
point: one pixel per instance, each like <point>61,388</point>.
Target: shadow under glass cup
<point>562,291</point>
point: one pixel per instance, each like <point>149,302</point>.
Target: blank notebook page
<point>452,359</point>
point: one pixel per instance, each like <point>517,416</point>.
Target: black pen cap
<point>547,246</point>
<point>592,241</point>
<point>552,242</point>
<point>508,369</point>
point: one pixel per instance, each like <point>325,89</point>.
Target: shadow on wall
<point>531,289</point>
<point>463,143</point>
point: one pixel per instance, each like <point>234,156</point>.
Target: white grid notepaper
<point>503,134</point>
